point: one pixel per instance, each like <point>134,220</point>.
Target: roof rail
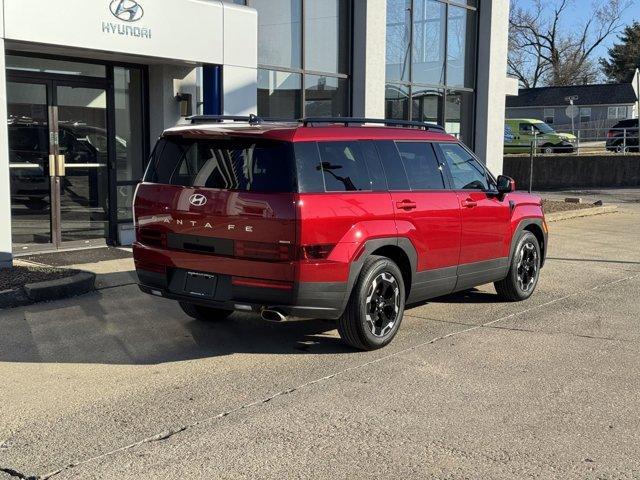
<point>346,121</point>
<point>251,119</point>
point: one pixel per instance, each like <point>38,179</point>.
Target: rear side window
<point>343,167</point>
<point>466,171</point>
<point>247,165</point>
<point>393,167</point>
<point>421,165</point>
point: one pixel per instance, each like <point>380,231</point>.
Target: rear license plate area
<point>200,284</point>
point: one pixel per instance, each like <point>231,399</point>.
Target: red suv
<point>345,219</point>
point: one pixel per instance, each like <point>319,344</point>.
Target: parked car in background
<point>520,133</point>
<point>623,136</point>
<point>328,218</point>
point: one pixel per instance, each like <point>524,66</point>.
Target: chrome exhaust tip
<point>272,316</point>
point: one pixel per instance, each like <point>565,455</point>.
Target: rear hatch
<point>224,205</point>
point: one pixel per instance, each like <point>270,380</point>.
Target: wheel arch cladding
<point>401,259</point>
<point>398,249</point>
<point>534,226</point>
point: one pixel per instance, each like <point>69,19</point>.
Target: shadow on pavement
<point>125,327</point>
<point>468,296</point>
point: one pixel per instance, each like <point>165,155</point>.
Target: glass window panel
<point>326,96</point>
<point>461,35</point>
<point>374,165</point>
<point>421,163</point>
<point>28,131</point>
<point>459,113</point>
<point>429,30</point>
<point>343,167</point>
<point>397,102</point>
<point>327,35</point>
<point>128,114</point>
<point>392,164</point>
<point>237,164</point>
<point>466,172</point>
<point>279,32</point>
<point>308,167</point>
<point>427,105</point>
<point>47,65</point>
<point>279,94</point>
<point>398,23</point>
<point>125,201</point>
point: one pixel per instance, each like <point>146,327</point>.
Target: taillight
<point>610,134</point>
<point>274,252</point>
<point>315,252</point>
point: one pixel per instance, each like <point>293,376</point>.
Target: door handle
<point>406,205</point>
<point>61,172</point>
<point>52,165</point>
<point>469,203</point>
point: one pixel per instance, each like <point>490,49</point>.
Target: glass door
<point>82,160</point>
<point>29,164</point>
<point>59,157</point>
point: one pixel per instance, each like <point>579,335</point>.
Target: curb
<point>585,212</point>
<point>78,284</point>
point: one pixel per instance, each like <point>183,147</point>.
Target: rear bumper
<point>324,300</point>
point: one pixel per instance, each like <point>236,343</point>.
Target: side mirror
<point>506,184</point>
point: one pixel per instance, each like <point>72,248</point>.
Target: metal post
<point>534,148</point>
<point>578,143</point>
<point>624,141</point>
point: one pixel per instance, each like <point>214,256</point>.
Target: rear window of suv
<point>237,164</point>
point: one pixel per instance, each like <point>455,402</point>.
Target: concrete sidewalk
<point>113,267</point>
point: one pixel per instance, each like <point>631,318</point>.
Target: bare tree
<point>545,49</point>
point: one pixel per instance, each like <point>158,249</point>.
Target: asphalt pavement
<point>120,385</point>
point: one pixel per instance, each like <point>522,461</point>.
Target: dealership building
<point>87,86</point>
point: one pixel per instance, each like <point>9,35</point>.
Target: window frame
<point>546,116</point>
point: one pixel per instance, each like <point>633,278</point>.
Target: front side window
<point>243,165</point>
<point>343,167</point>
<point>466,171</point>
<point>421,164</point>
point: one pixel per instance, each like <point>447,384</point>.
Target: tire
<point>380,279</point>
<point>206,314</point>
<point>522,279</point>
<point>547,149</point>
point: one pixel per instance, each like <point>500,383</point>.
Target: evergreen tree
<point>624,57</point>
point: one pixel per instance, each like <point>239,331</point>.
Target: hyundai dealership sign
<point>132,27</point>
<point>128,11</point>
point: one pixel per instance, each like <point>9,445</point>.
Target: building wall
<point>492,82</point>
<point>599,115</point>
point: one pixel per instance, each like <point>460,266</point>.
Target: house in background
<point>596,107</point>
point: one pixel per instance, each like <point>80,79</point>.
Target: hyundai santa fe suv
<point>348,219</point>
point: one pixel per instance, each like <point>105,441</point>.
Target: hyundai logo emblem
<point>126,10</point>
<point>197,200</point>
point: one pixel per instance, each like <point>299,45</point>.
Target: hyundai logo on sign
<point>126,10</point>
<point>197,200</point>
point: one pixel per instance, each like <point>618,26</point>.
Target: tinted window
<point>374,165</point>
<point>226,164</point>
<point>466,172</point>
<point>308,167</point>
<point>393,168</point>
<point>343,167</point>
<point>421,165</point>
